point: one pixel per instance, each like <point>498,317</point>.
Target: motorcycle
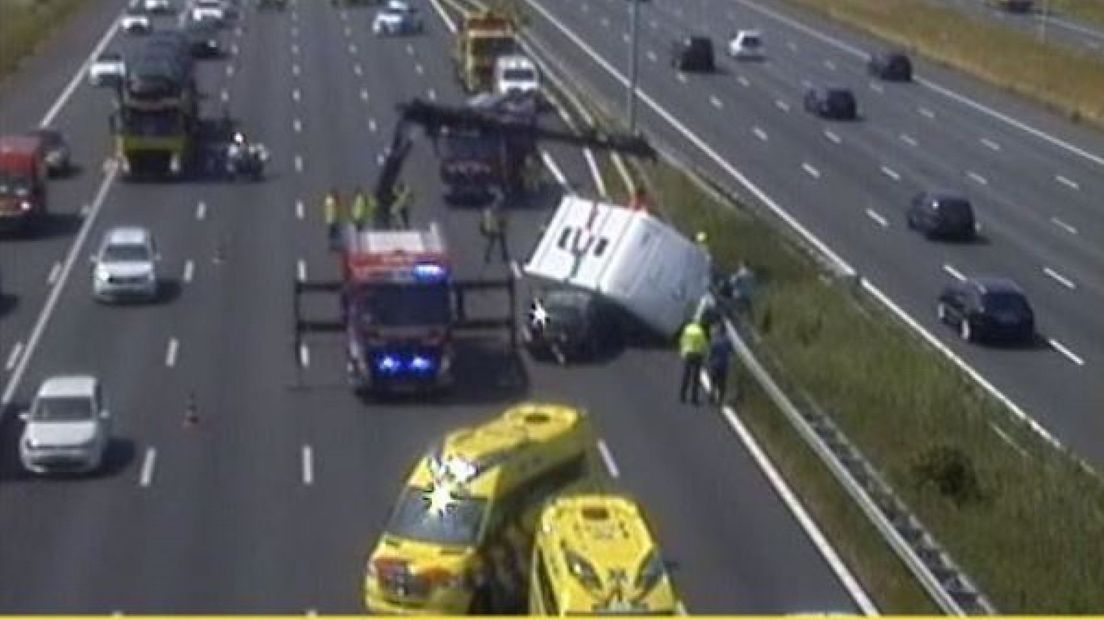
<point>248,162</point>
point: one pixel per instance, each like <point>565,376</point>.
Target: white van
<point>515,73</point>
<point>626,256</point>
<point>746,45</point>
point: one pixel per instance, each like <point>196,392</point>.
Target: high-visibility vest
<point>492,223</point>
<point>364,207</point>
<point>693,340</point>
<point>402,200</point>
<point>329,206</point>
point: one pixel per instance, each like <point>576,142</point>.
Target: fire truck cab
<point>397,307</point>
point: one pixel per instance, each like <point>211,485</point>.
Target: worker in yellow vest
<point>693,345</point>
<point>400,206</point>
<point>363,210</point>
<point>332,215</point>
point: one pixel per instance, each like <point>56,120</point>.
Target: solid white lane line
<point>877,217</point>
<point>793,503</point>
<point>595,173</point>
<point>652,56</point>
<point>759,133</point>
<point>743,81</point>
<point>907,139</point>
<point>13,357</point>
<point>301,270</point>
<point>300,211</point>
<point>357,69</point>
<point>1064,350</point>
<point>55,292</point>
<point>78,76</point>
<point>201,210</point>
<point>716,102</point>
<point>977,178</point>
<point>828,133</point>
<point>993,146</point>
<point>55,270</point>
<point>308,466</point>
<point>297,125</point>
<point>1061,279</point>
<point>607,458</point>
<point>418,68</point>
<point>926,112</point>
<point>148,463</point>
<point>170,353</point>
<point>876,87</point>
<point>554,168</point>
<point>189,271</point>
<point>891,173</point>
<point>954,273</point>
<point>295,94</point>
<point>364,95</point>
<point>304,355</point>
<point>1067,182</point>
<point>298,163</point>
<point>810,170</point>
<point>782,105</point>
<point>1064,226</point>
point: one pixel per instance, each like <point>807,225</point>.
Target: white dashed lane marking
<point>926,113</point>
<point>716,102</point>
<point>876,87</point>
<point>759,133</point>
<point>300,210</point>
<point>297,125</point>
<point>828,133</point>
<point>1067,182</point>
<point>607,458</point>
<point>954,273</point>
<point>907,139</point>
<point>891,173</point>
<point>189,271</point>
<point>781,105</point>
<point>1063,225</point>
<point>989,144</point>
<point>304,355</point>
<point>977,178</point>
<point>1065,351</point>
<point>810,170</point>
<point>1060,279</point>
<point>171,352</point>
<point>201,211</point>
<point>295,94</point>
<point>877,217</point>
<point>301,270</point>
<point>298,163</point>
<point>145,478</point>
<point>308,466</point>
<point>743,81</point>
<point>364,94</point>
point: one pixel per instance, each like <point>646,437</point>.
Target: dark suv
<point>568,324</point>
<point>692,54</point>
<point>832,102</point>
<point>942,215</point>
<point>891,66</point>
<point>987,309</point>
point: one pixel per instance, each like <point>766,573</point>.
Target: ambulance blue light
<point>388,363</point>
<point>421,364</point>
<point>429,272</point>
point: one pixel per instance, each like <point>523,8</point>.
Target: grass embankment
<point>26,23</point>
<point>1025,527</point>
<point>1066,80</point>
<point>1089,11</point>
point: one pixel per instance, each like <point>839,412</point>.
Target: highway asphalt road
<point>1034,179</point>
<point>1053,28</point>
<point>271,503</point>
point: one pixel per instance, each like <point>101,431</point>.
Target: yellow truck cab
<point>459,537</point>
<point>483,37</point>
<point>594,554</point>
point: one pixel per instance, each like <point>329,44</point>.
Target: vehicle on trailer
<point>481,39</point>
<point>23,180</point>
<point>594,553</point>
<point>55,150</point>
<point>627,257</point>
<point>67,428</point>
<point>459,536</point>
<point>108,69</point>
<point>516,73</point>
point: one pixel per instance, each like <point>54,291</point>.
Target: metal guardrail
<point>946,583</point>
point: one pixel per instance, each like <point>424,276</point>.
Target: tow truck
<point>400,304</point>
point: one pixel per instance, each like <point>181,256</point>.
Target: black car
<point>832,102</point>
<point>57,150</point>
<point>203,39</point>
<point>890,66</point>
<point>942,215</point>
<point>568,324</point>
<point>991,309</point>
<point>692,54</point>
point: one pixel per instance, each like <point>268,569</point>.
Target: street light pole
<point>634,25</point>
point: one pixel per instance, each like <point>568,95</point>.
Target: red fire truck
<point>22,181</point>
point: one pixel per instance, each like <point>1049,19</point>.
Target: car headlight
<point>25,205</point>
<point>102,274</point>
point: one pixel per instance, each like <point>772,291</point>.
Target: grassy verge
<point>1019,523</point>
<point>1066,80</point>
<point>26,23</point>
<point>1089,11</point>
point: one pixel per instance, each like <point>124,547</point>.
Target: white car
<point>515,74</point>
<point>67,427</point>
<point>397,18</point>
<point>108,68</point>
<point>157,6</point>
<point>213,10</point>
<point>124,267</point>
<point>746,45</point>
<point>134,22</point>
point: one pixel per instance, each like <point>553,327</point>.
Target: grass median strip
<point>1066,80</point>
<point>1014,513</point>
<point>24,24</point>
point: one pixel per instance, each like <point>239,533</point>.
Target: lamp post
<point>634,26</point>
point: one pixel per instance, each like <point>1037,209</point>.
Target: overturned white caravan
<point>627,256</point>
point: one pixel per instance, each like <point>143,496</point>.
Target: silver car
<point>125,265</point>
<point>67,428</point>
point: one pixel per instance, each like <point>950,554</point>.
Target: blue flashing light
<point>421,364</point>
<point>388,364</point>
<point>430,272</point>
